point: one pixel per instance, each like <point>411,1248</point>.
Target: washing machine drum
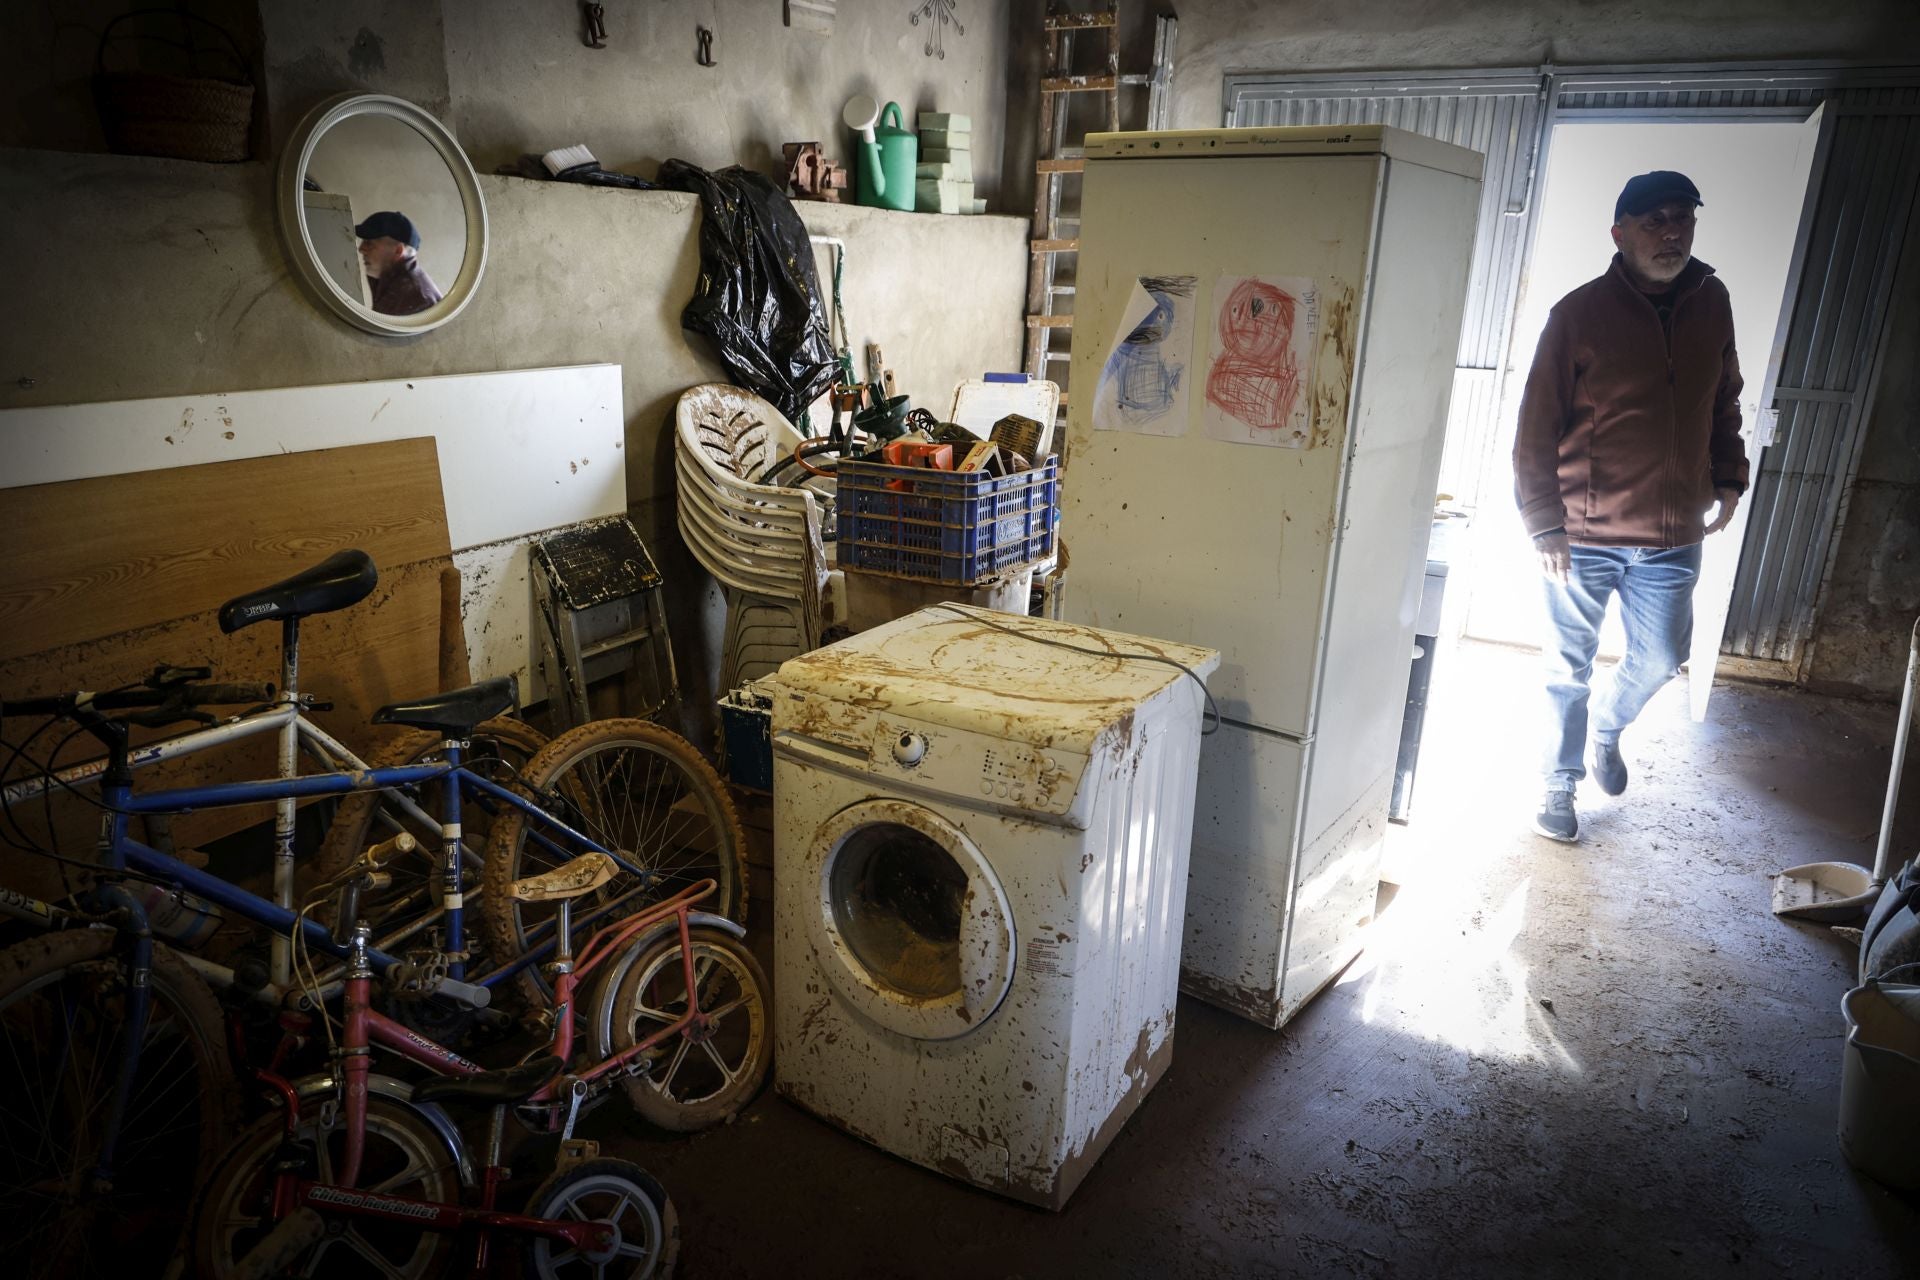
<point>913,929</point>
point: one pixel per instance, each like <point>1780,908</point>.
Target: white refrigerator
<point>1264,336</point>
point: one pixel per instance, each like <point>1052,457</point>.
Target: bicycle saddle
<point>570,879</point>
<point>456,711</point>
<point>500,1088</point>
<point>343,578</point>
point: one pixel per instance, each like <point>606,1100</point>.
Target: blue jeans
<point>1656,606</point>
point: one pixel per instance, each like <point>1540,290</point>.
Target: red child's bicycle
<point>364,1174</point>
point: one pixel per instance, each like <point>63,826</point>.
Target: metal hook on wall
<point>595,18</point>
<point>704,54</point>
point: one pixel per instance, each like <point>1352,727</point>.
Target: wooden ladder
<point>1051,247</point>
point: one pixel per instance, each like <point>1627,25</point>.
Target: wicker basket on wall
<point>184,117</point>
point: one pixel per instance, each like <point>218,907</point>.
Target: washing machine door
<point>914,929</point>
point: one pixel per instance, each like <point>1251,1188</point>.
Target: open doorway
<point>1753,175</point>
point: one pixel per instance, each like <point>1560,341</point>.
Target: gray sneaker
<point>1609,769</point>
<point>1556,819</point>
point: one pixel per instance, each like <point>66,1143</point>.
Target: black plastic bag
<point>758,297</point>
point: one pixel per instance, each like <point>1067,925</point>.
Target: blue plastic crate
<point>944,526</point>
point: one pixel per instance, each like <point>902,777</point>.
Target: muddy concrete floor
<point>1603,1060</point>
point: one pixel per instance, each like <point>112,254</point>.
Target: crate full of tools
<point>945,526</point>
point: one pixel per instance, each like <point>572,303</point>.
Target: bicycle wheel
<point>369,817</point>
<point>703,1076</point>
<point>62,1006</point>
<point>647,1243</point>
<point>404,1156</point>
<point>637,789</point>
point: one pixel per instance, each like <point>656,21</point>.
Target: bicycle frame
<point>367,1026</point>
<point>120,851</point>
<point>283,717</point>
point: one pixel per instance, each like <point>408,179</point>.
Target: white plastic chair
<point>762,542</point>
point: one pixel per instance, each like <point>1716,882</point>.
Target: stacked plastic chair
<point>762,542</point>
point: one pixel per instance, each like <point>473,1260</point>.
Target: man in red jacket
<point>1629,433</point>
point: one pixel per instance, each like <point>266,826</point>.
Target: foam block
<point>945,120</point>
<point>956,139</point>
<point>960,170</point>
<point>942,195</point>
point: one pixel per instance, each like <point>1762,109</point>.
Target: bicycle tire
<point>569,1189</point>
<point>361,819</point>
<point>184,1062</point>
<point>731,982</point>
<point>563,775</point>
<point>229,1218</point>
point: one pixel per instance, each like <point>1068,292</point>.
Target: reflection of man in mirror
<point>390,250</point>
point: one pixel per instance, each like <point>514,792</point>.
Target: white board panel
<point>520,452</point>
<point>496,613</point>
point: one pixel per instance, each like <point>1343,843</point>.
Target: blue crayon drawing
<point>1144,379</point>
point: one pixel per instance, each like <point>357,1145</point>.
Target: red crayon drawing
<point>1256,377</point>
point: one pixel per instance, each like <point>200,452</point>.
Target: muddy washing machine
<point>980,872</point>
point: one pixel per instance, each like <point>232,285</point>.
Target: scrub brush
<point>569,160</point>
<point>576,164</point>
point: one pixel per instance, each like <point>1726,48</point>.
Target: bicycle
<point>268,1205</point>
<point>92,989</point>
<point>708,841</point>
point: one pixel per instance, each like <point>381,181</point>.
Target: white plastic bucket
<point>1880,1080</point>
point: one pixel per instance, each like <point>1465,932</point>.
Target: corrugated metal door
<point>1827,372</point>
<point>1833,326</point>
<point>1495,113</point>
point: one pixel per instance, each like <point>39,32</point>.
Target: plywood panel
<point>124,572</point>
<point>100,556</point>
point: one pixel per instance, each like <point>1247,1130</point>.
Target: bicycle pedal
<point>574,1151</point>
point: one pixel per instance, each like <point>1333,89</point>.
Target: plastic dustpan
<point>1829,892</point>
<point>1839,892</point>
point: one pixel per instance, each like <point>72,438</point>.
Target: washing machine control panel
<point>989,772</point>
<point>975,768</point>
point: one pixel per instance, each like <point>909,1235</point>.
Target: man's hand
<point>1728,499</point>
<point>1556,556</point>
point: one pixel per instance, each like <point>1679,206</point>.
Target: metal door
<point>1833,346</point>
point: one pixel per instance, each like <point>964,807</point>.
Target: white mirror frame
<point>288,185</point>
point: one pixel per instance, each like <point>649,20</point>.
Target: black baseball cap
<point>394,226</point>
<point>1647,191</point>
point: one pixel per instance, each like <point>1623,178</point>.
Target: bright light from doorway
<point>1753,177</point>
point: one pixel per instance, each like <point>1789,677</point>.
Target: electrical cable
<point>1212,710</point>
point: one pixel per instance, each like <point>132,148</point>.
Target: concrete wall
<point>522,80</point>
<point>184,288</point>
<point>50,52</point>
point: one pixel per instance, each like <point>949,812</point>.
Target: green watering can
<point>888,155</point>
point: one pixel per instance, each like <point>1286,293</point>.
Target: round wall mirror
<point>381,214</point>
